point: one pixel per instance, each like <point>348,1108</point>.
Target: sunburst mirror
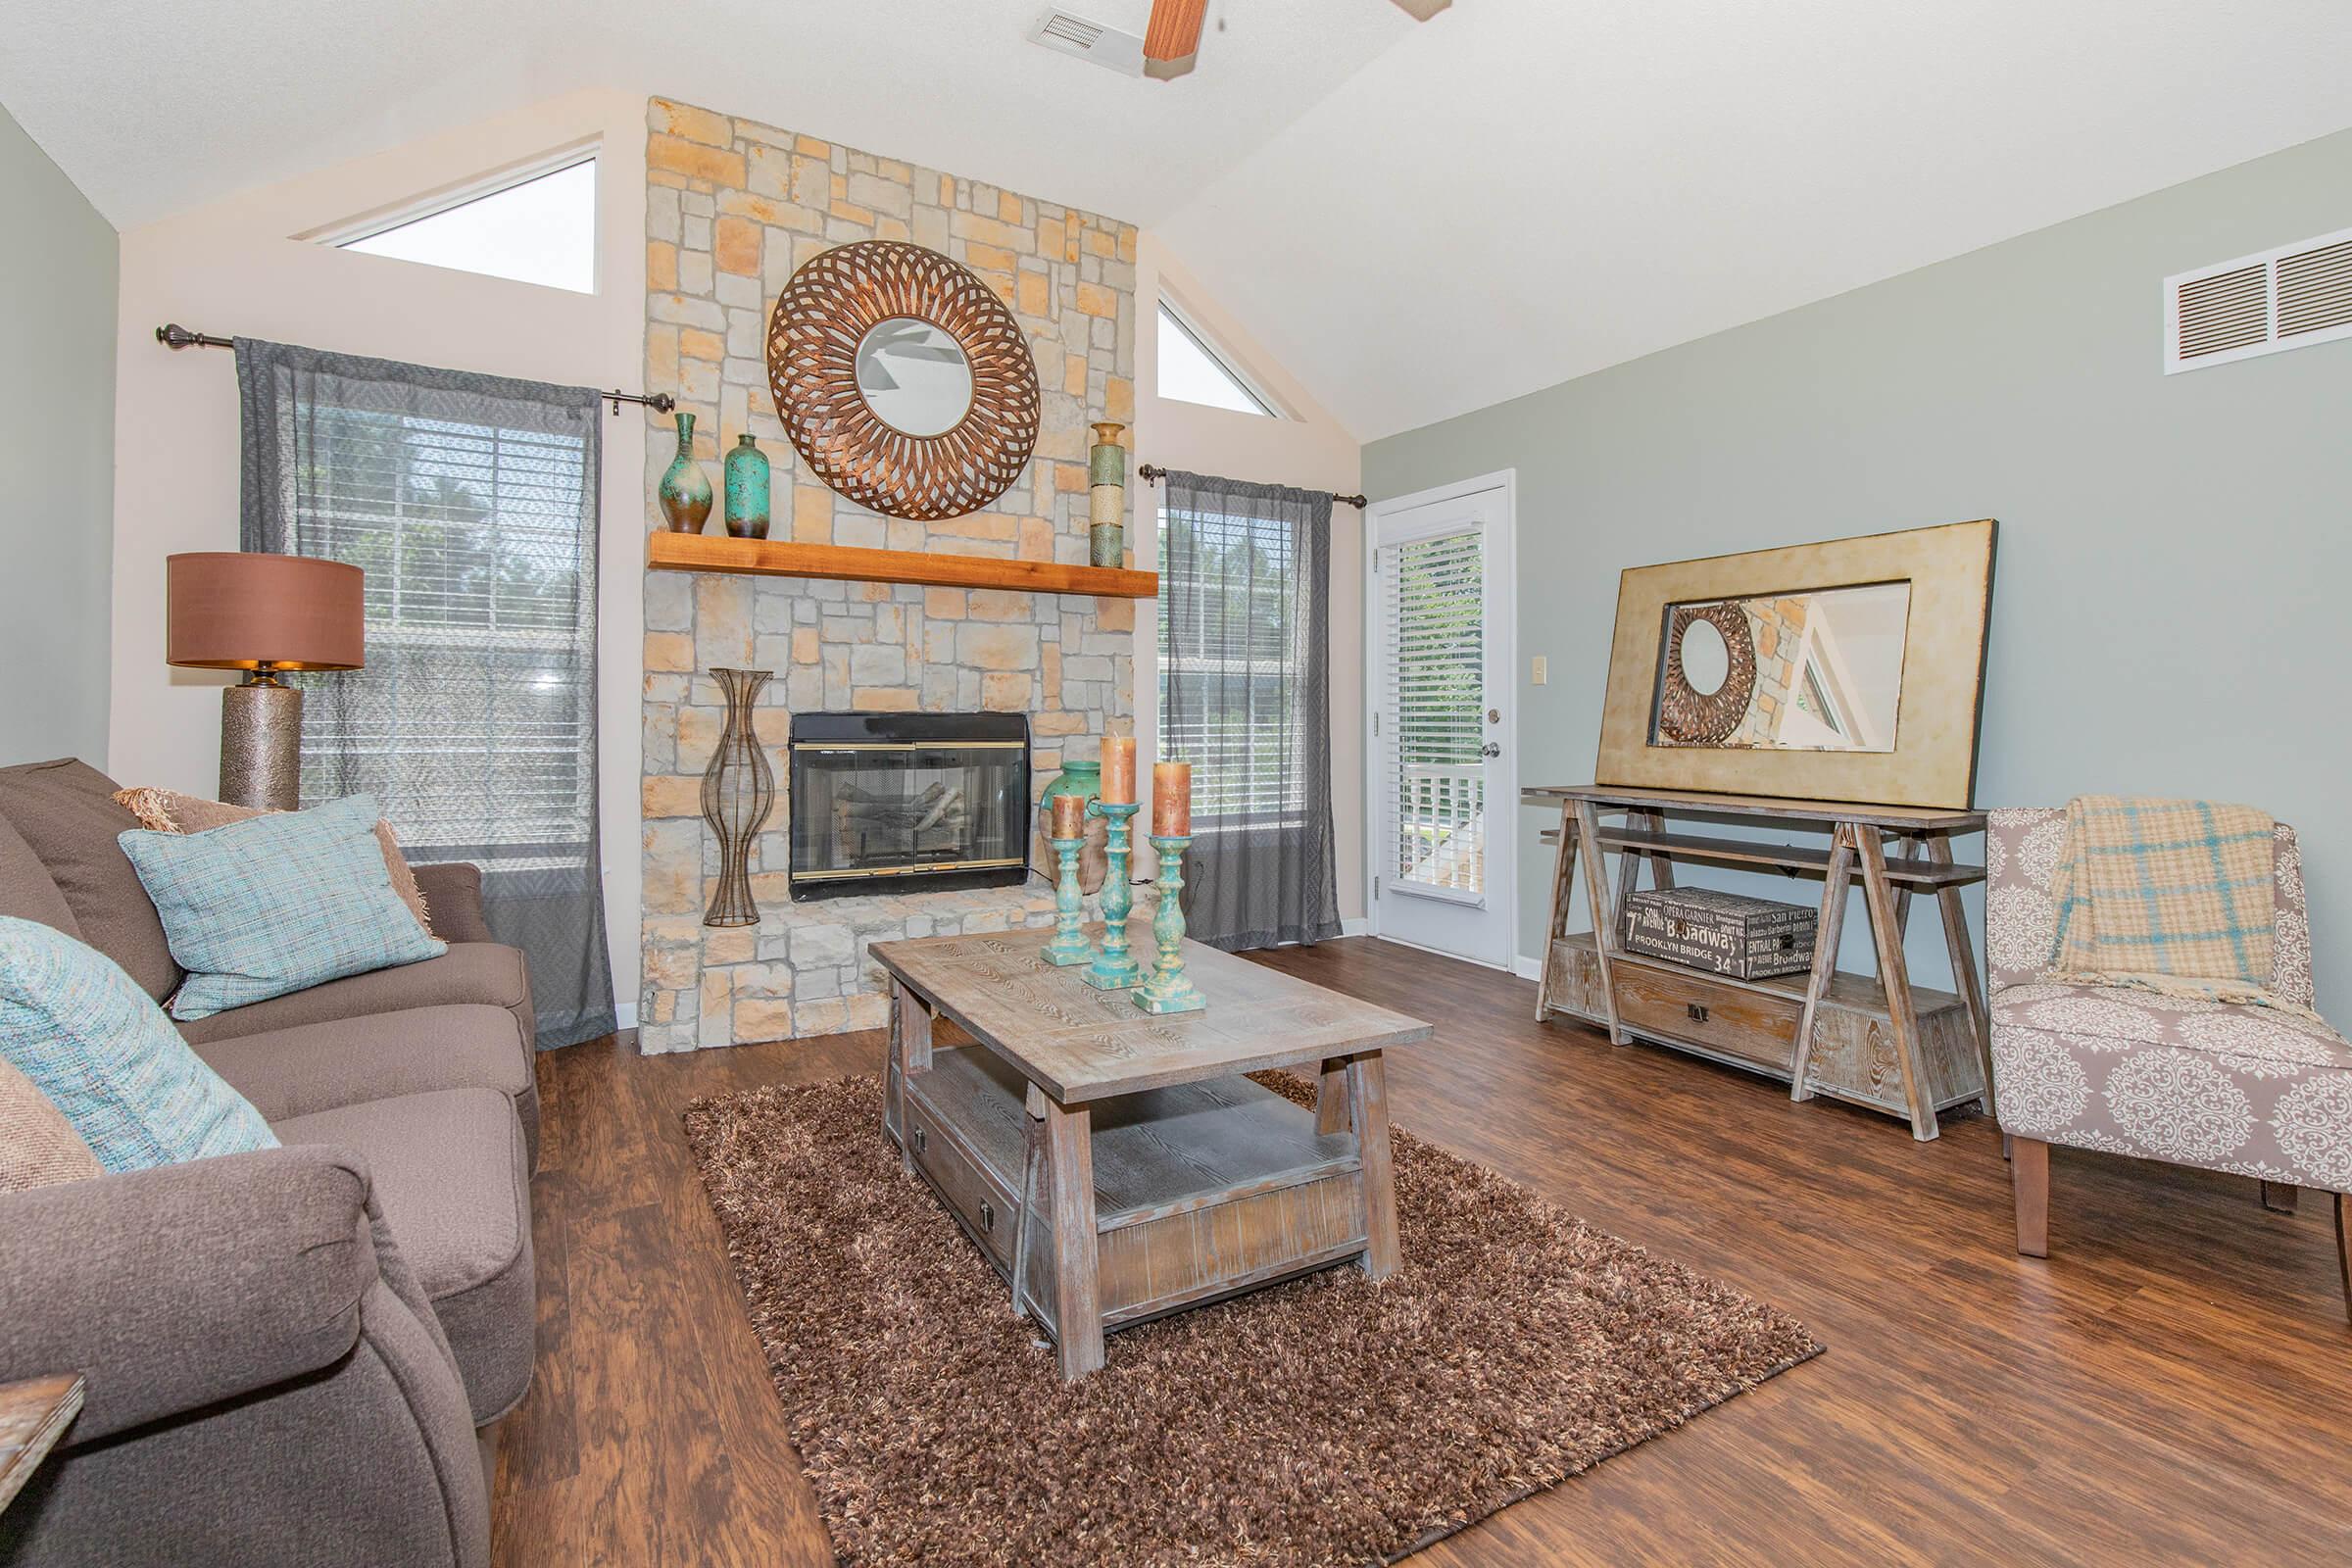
<point>903,381</point>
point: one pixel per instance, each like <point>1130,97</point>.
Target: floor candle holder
<point>1168,991</point>
<point>1114,968</point>
<point>1069,944</point>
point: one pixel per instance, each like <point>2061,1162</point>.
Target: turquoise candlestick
<point>1168,991</point>
<point>1069,944</point>
<point>1114,968</point>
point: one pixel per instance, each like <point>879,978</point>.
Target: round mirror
<point>915,377</point>
<point>1706,658</point>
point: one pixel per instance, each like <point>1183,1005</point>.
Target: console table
<point>1873,1040</point>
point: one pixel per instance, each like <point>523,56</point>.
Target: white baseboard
<point>626,1014</point>
<point>1357,926</point>
<point>1527,968</point>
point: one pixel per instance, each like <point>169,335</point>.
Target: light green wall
<point>2173,601</point>
<point>56,459</point>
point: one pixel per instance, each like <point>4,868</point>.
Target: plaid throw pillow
<point>278,903</point>
<point>100,1051</point>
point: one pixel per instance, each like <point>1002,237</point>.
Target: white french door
<point>1444,796</point>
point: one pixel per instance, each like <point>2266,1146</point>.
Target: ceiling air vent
<point>1089,39</point>
<point>2285,298</point>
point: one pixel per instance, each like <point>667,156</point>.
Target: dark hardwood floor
<point>2174,1384</point>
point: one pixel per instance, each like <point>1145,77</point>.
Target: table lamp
<point>264,614</point>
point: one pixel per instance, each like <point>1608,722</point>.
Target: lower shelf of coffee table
<point>1753,1024</point>
<point>1201,1192</point>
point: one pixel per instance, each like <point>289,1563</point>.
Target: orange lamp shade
<point>238,609</point>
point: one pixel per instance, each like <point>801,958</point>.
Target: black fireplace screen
<point>899,802</point>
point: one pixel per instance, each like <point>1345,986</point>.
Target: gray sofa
<point>293,1357</point>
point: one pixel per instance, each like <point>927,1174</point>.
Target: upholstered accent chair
<point>2222,1087</point>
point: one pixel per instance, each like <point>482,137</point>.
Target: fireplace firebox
<point>907,802</point>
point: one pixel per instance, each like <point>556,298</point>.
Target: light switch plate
<point>1542,673</point>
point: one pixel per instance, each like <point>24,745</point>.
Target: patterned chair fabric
<point>2222,1087</point>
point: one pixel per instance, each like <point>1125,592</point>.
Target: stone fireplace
<point>732,208</point>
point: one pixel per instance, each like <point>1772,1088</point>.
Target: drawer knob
<point>919,1140</point>
<point>988,1215</point>
<point>1698,1015</point>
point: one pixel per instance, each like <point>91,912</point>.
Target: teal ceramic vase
<point>747,490</point>
<point>685,490</point>
<point>1084,780</point>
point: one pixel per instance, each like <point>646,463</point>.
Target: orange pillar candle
<point>1069,817</point>
<point>1118,770</point>
<point>1172,800</point>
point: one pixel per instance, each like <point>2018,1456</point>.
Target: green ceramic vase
<point>747,490</point>
<point>1084,780</point>
<point>685,490</point>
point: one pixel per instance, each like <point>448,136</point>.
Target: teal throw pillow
<point>104,1053</point>
<point>278,903</point>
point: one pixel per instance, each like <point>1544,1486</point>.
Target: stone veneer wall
<point>732,208</point>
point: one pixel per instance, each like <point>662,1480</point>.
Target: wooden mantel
<point>776,557</point>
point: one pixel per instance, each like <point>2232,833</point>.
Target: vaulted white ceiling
<point>1418,219</point>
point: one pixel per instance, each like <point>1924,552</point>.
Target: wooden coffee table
<point>1113,1164</point>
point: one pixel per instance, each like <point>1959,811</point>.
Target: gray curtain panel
<point>471,502</point>
<point>1245,698</point>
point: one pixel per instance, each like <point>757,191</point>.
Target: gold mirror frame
<point>1934,763</point>
<point>822,316</point>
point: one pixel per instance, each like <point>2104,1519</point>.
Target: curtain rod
<point>1155,474</point>
<point>175,336</point>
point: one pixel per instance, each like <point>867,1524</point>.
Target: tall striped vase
<point>1106,497</point>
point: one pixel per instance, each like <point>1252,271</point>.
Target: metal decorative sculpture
<point>819,339</point>
<point>739,789</point>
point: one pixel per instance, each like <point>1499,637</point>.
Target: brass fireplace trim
<point>910,745</point>
<point>999,864</point>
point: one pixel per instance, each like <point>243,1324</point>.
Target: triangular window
<point>539,229</point>
<point>1190,372</point>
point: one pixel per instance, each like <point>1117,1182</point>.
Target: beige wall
<point>1310,451</point>
<point>233,269</point>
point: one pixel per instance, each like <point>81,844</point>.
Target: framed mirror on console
<point>1850,670</point>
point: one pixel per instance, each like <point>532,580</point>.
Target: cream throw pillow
<point>38,1147</point>
<point>162,811</point>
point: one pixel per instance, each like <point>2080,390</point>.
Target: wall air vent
<point>1089,39</point>
<point>2285,298</point>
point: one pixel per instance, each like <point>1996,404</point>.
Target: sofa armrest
<point>174,1288</point>
<point>453,899</point>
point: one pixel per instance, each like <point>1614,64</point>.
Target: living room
<point>1167,781</point>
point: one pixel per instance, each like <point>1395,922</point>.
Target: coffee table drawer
<point>985,1207</point>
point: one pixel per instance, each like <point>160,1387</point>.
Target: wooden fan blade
<point>1174,30</point>
<point>1422,10</point>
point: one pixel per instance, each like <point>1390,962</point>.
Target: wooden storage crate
<point>1724,933</point>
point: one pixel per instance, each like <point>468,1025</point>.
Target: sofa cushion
<point>486,973</point>
<point>66,811</point>
<point>38,1147</point>
<point>2233,1088</point>
<point>103,1053</point>
<point>319,1066</point>
<point>27,892</point>
<point>449,1178</point>
<point>278,903</point>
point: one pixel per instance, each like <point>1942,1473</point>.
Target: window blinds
<point>1432,705</point>
<point>1232,662</point>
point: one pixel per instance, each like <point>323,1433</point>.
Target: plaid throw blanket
<point>2169,895</point>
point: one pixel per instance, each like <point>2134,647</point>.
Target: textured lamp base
<point>261,746</point>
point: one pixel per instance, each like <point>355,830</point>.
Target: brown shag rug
<point>1328,1421</point>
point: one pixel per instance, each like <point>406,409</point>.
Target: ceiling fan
<point>1173,36</point>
